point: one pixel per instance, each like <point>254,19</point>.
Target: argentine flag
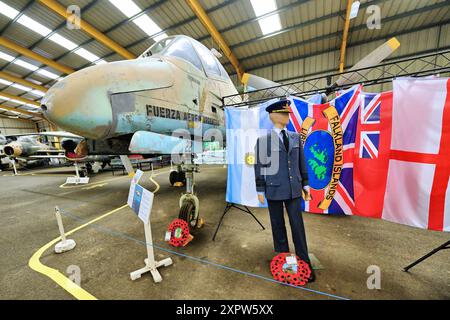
<point>244,126</point>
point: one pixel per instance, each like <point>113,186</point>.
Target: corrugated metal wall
<point>14,126</point>
<point>411,44</point>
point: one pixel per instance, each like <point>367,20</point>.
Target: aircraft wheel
<point>173,177</point>
<point>176,176</point>
<point>182,177</point>
<point>187,213</point>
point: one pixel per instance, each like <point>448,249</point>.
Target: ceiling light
<point>5,56</point>
<point>263,6</point>
<point>26,65</point>
<point>16,101</point>
<point>270,24</point>
<point>8,11</point>
<point>86,54</point>
<point>34,25</point>
<point>144,22</point>
<point>147,25</point>
<point>66,43</point>
<point>5,82</point>
<point>47,74</point>
<point>37,93</point>
<point>127,7</point>
<point>32,106</point>
<point>20,87</point>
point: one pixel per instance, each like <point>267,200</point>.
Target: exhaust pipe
<point>13,150</point>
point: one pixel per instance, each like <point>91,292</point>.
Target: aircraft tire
<point>173,177</point>
<point>187,213</point>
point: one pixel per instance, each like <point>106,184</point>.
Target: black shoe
<point>312,276</point>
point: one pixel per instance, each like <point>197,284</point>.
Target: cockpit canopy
<point>27,139</point>
<point>191,51</point>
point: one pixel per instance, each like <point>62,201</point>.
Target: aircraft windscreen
<point>157,47</point>
<point>183,47</point>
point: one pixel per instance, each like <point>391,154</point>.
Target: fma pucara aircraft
<point>134,106</point>
<point>27,150</point>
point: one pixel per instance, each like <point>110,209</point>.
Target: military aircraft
<point>28,147</point>
<point>3,162</point>
<point>27,150</point>
<point>136,106</point>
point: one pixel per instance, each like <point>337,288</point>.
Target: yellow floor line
<point>57,276</point>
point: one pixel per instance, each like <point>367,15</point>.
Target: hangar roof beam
<point>27,113</point>
<point>12,78</point>
<point>209,25</point>
<point>89,29</point>
<point>31,54</point>
<point>345,35</point>
<point>335,34</point>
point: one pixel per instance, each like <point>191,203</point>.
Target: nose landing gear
<point>189,203</point>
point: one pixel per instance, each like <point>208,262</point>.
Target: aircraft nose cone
<point>79,104</point>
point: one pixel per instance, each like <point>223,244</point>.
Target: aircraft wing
<point>56,156</point>
<point>59,134</point>
<point>51,151</point>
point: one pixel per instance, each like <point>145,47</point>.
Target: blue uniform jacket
<point>284,180</point>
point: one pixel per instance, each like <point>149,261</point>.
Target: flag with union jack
<point>404,176</point>
<point>370,119</point>
<point>328,133</point>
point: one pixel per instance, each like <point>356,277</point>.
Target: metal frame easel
<point>228,208</point>
<point>443,246</point>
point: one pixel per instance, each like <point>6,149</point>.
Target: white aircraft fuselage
<point>176,84</point>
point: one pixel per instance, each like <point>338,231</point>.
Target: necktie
<point>285,139</point>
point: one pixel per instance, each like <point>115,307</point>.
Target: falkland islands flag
<point>328,134</point>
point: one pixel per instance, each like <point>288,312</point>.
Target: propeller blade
<point>254,82</point>
<point>372,59</point>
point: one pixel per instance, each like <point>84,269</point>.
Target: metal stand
<point>233,205</point>
<point>127,165</point>
<point>65,244</point>
<point>77,179</point>
<point>150,264</point>
<point>13,161</point>
<point>444,246</point>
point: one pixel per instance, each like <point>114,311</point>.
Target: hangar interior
<point>302,43</point>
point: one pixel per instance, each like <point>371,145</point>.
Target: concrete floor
<point>345,246</point>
